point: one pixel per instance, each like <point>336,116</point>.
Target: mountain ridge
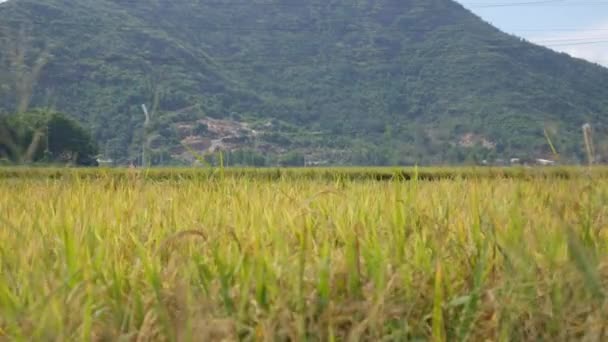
<point>405,80</point>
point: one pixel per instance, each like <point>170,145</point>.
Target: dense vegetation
<point>342,81</point>
<point>108,258</point>
<point>45,137</point>
<point>328,174</point>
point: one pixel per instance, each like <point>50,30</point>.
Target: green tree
<point>68,141</point>
<point>292,159</point>
<point>45,136</point>
<point>200,128</point>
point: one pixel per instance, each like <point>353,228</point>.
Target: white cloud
<point>589,43</point>
<point>597,55</point>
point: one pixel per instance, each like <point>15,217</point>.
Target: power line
<point>573,39</point>
<point>208,25</point>
<point>582,43</point>
<point>481,5</point>
<point>233,28</point>
<point>557,30</point>
<point>248,63</point>
<point>304,4</point>
<point>319,50</point>
<point>540,3</point>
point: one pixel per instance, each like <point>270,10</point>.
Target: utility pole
<point>47,151</point>
<point>589,143</point>
<point>145,135</point>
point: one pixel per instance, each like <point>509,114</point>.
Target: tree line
<point>45,137</point>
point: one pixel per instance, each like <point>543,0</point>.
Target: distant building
<point>105,162</point>
<point>545,162</point>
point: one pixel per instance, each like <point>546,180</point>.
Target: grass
<point>335,255</point>
<point>323,174</point>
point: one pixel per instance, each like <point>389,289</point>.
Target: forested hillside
<point>285,81</point>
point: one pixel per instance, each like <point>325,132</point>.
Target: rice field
<point>304,255</point>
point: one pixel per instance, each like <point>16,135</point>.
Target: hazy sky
<point>577,27</point>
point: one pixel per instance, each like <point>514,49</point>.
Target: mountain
<point>335,81</point>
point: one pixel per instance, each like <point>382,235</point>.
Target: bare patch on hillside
<point>210,135</point>
<point>472,139</point>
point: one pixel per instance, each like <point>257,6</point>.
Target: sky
<point>577,27</point>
